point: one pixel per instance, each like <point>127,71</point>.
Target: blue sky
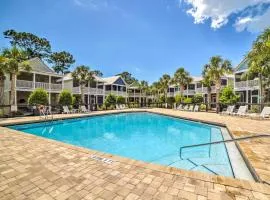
<point>145,37</point>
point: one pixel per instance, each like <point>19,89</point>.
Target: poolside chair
<point>196,108</point>
<point>264,114</point>
<point>118,107</point>
<point>84,109</point>
<point>179,107</point>
<point>66,110</point>
<point>242,111</point>
<point>191,108</point>
<point>123,106</point>
<point>229,110</point>
<point>186,108</point>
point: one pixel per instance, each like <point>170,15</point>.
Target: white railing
<point>24,84</point>
<point>29,85</point>
<point>117,93</point>
<point>189,92</point>
<point>201,90</point>
<point>76,90</point>
<point>56,87</point>
<point>43,85</point>
<point>136,95</point>
<point>245,85</point>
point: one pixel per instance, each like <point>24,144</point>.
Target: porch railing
<point>22,84</point>
<point>249,84</point>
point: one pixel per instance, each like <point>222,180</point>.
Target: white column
<point>103,92</point>
<point>49,98</point>
<point>34,80</point>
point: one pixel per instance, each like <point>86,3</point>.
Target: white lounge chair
<point>84,109</point>
<point>66,110</point>
<point>186,108</point>
<point>242,111</point>
<point>118,107</point>
<point>123,106</point>
<point>264,114</point>
<point>229,110</point>
<point>191,108</point>
<point>179,107</point>
<point>196,108</point>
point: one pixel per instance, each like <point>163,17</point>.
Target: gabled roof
<point>37,65</point>
<point>68,76</point>
<point>243,66</point>
<point>111,80</point>
<point>134,85</point>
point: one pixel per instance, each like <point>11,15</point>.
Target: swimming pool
<point>143,136</point>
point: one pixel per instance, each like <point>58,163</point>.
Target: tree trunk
<point>12,89</point>
<point>262,92</point>
<point>2,88</point>
<point>208,105</point>
<point>218,84</point>
<point>181,87</point>
<point>82,93</point>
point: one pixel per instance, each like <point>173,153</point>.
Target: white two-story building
<point>40,76</point>
<point>196,87</point>
<point>96,91</point>
<point>248,90</point>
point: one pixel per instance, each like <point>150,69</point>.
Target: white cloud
<point>220,11</point>
<point>255,24</point>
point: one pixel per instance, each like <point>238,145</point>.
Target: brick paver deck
<point>32,167</point>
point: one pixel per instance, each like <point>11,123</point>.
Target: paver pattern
<point>32,167</point>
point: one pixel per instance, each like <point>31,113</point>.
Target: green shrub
<point>227,96</point>
<point>188,100</point>
<point>202,107</point>
<point>161,99</point>
<point>110,100</point>
<point>65,98</point>
<point>179,98</point>
<point>197,99</point>
<point>120,100</point>
<point>170,100</point>
<point>255,109</point>
<point>102,107</point>
<point>38,97</point>
<point>76,99</point>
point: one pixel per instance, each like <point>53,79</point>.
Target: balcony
<point>30,85</point>
<point>189,92</point>
<point>201,90</point>
<point>90,91</point>
<point>247,85</point>
<point>136,95</point>
<point>117,93</point>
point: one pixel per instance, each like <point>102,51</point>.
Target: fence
<point>27,110</point>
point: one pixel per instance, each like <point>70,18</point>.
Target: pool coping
<point>138,162</point>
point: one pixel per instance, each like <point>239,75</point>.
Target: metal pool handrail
<point>223,141</point>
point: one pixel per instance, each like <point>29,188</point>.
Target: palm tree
<point>207,83</point>
<point>258,60</point>
<point>165,81</point>
<point>2,78</point>
<point>143,86</point>
<point>83,75</point>
<point>181,78</point>
<point>154,89</point>
<point>216,69</point>
<point>15,62</point>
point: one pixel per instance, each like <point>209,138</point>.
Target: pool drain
<point>104,160</point>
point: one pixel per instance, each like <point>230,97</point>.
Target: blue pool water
<point>142,136</point>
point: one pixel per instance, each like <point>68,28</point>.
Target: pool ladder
<point>223,141</point>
